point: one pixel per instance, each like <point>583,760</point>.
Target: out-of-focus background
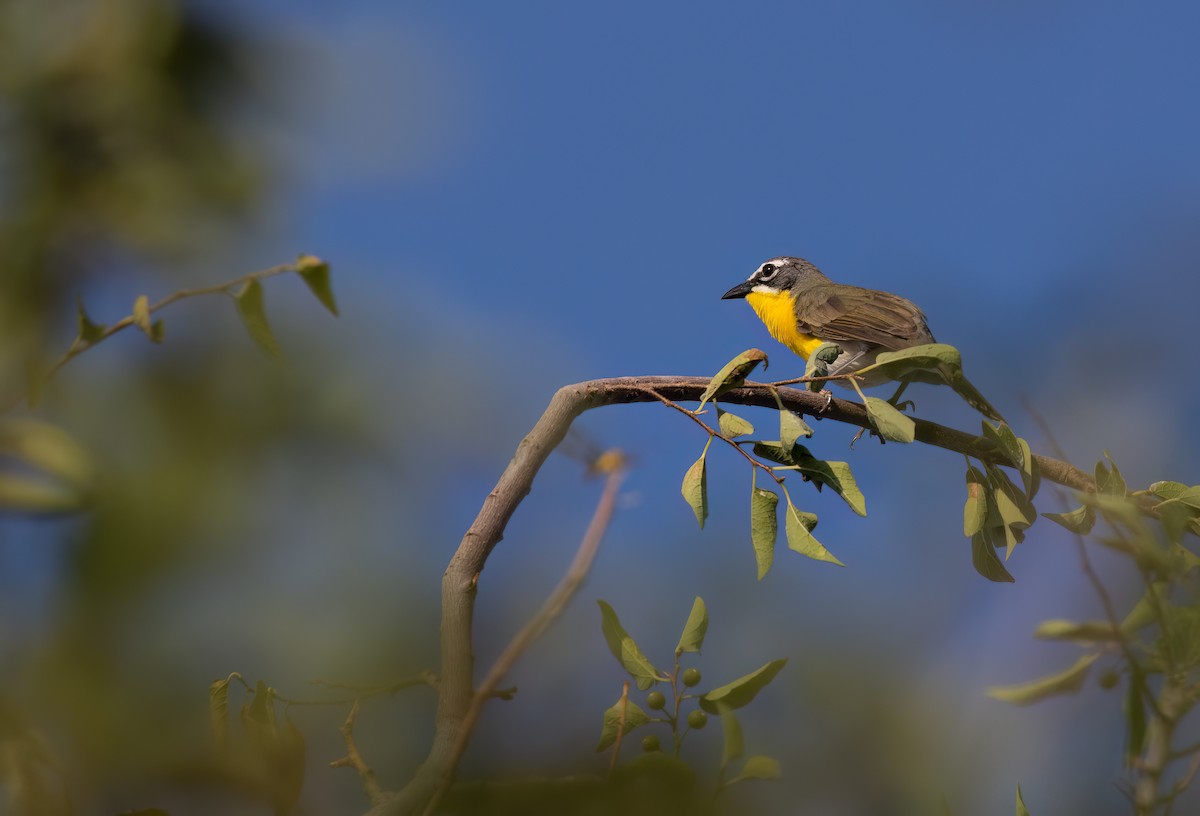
<point>519,196</point>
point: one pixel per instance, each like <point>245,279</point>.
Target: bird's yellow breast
<point>775,310</point>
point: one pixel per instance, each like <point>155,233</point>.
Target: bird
<point>803,309</point>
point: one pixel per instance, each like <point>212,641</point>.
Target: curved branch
<point>460,581</point>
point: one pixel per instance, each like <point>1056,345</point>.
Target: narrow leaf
<point>1086,632</point>
<point>891,424</point>
<point>218,708</point>
<point>774,452</point>
<point>694,630</point>
<point>625,650</point>
<point>1109,479</point>
<point>315,273</point>
<point>633,716</point>
<point>695,489</point>
<point>252,310</point>
<point>733,374</point>
<point>733,425</point>
<point>141,314</point>
<point>1021,809</point>
<point>1135,716</point>
<point>89,332</point>
<point>764,527</point>
<point>798,528</point>
<point>743,690</point>
<point>1066,682</point>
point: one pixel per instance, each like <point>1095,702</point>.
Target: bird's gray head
<point>774,276</point>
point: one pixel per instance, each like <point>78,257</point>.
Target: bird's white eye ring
<point>768,271</point>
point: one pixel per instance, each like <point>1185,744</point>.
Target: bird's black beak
<point>740,291</point>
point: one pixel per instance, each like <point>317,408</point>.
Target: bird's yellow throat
<point>776,311</point>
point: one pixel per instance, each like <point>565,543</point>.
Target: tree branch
<point>460,581</point>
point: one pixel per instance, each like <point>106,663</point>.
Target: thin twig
<point>538,624</point>
<point>79,346</point>
<point>353,759</point>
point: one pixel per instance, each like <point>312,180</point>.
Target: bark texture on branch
<point>459,583</point>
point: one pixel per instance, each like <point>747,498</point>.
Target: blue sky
<point>552,192</point>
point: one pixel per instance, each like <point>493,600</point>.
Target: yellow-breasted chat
<point>804,310</point>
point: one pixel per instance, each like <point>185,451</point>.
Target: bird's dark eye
<point>768,272</point>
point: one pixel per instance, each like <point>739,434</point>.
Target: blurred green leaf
<point>733,425</point>
<point>1081,520</point>
<point>743,690</point>
<point>694,630</point>
<point>758,767</point>
<point>252,309</point>
<point>798,528</point>
<point>89,332</point>
<point>764,527</point>
<point>1065,682</point>
<point>734,744</point>
<point>891,424</point>
<point>1086,632</point>
<point>1109,479</point>
<point>733,374</point>
<point>791,428</point>
<point>975,510</point>
<point>625,650</point>
<point>1135,715</point>
<point>1021,809</point>
<point>218,708</point>
<point>315,273</point>
<point>985,560</point>
<point>633,715</point>
<point>939,358</point>
<point>695,489</point>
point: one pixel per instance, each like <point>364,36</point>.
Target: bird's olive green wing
<point>838,312</point>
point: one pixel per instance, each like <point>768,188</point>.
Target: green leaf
<point>1109,479</point>
<point>733,425</point>
<point>633,714</point>
<point>315,273</point>
<point>694,630</point>
<point>1086,632</point>
<point>743,690</point>
<point>625,650</point>
<point>836,475</point>
<point>734,744</point>
<point>798,528</point>
<point>1066,682</point>
<point>891,424</point>
<point>218,708</point>
<point>733,374</point>
<point>55,473</point>
<point>1020,511</point>
<point>1168,490</point>
<point>985,560</point>
<point>251,309</point>
<point>1016,450</point>
<point>935,358</point>
<point>791,428</point>
<point>1135,715</point>
<point>1176,519</point>
<point>695,489</point>
<point>774,452</point>
<point>141,319</point>
<point>758,767</point>
<point>89,332</point>
<point>764,527</point>
<point>1190,496</point>
<point>1080,520</point>
<point>975,510</point>
<point>1021,809</point>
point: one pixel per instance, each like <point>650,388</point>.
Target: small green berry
<point>1109,679</point>
<point>656,700</point>
<point>697,720</point>
<point>650,744</point>
<point>691,677</point>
